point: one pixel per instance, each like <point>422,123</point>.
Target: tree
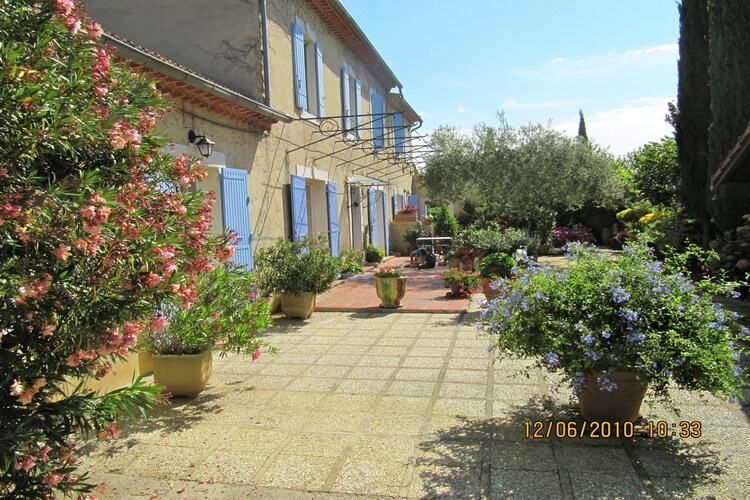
<point>529,173</point>
<point>96,226</point>
<point>654,172</point>
<point>582,126</point>
<point>693,114</point>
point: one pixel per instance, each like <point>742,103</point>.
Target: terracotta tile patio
<point>425,293</point>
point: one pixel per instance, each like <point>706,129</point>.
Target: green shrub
<point>496,265</point>
<point>373,253</point>
<point>351,261</point>
<point>414,232</point>
<point>497,240</point>
<point>296,266</point>
<point>444,221</point>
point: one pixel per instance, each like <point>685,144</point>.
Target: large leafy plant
<point>89,239</point>
<point>297,266</point>
<point>225,311</point>
<point>604,315</point>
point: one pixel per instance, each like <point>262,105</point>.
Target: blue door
<point>386,236</point>
<point>333,218</point>
<point>298,195</point>
<point>235,204</point>
<point>372,214</point>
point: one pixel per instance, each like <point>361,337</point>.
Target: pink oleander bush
<point>96,226</point>
<point>567,234</point>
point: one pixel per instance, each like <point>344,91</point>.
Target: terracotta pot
<point>455,291</point>
<point>298,306</point>
<point>486,289</point>
<point>183,374</point>
<point>405,217</point>
<point>619,405</point>
<point>426,222</point>
<point>390,291</point>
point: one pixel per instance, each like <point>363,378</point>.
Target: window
<point>307,55</point>
<point>378,134</point>
<point>398,134</point>
<point>351,99</point>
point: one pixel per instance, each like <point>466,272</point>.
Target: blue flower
<point>588,339</point>
<point>552,359</point>
<point>630,315</point>
<point>744,332</point>
<point>606,334</point>
<point>636,337</point>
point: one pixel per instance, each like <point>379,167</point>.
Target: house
<point>730,185</point>
<point>310,129</point>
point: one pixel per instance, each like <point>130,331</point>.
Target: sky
<point>538,61</point>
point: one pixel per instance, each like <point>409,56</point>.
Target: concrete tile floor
<point>406,406</point>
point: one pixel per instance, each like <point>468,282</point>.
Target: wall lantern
<point>205,146</point>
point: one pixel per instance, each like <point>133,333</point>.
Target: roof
<point>182,82</point>
<point>338,20</point>
<point>731,166</point>
<point>396,101</point>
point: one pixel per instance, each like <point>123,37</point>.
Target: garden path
<point>407,406</point>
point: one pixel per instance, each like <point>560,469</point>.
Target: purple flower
<point>606,334</point>
<point>588,339</point>
<point>552,359</point>
<point>636,337</point>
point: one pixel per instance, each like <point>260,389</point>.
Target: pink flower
<point>224,253</point>
<point>52,479</point>
<point>159,323</point>
<point>152,280</point>
<point>101,90</point>
<point>62,252</point>
<point>26,396</point>
<point>17,388</point>
<point>65,6</point>
<point>48,329</point>
<point>256,354</point>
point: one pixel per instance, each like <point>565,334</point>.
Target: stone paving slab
<point>405,421</point>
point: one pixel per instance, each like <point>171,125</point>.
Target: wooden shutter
<point>372,215</point>
<point>358,106</point>
<point>398,133</point>
<point>319,79</point>
<point>298,195</point>
<point>333,218</point>
<point>376,102</point>
<point>235,204</point>
<point>298,56</point>
<point>345,98</point>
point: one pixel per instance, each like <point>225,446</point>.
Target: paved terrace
<point>406,406</point>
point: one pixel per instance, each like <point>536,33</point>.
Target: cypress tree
<point>582,126</point>
<point>693,116</point>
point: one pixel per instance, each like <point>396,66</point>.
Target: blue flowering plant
<point>604,315</point>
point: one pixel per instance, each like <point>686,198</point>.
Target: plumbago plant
<point>607,315</point>
<point>88,240</point>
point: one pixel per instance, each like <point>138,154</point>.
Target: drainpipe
<point>264,36</point>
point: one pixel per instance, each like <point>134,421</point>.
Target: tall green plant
<point>444,221</point>
<point>88,240</point>
<point>297,266</point>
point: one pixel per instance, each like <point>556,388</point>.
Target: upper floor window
<point>307,55</point>
<point>378,123</point>
<point>351,101</point>
<point>399,134</point>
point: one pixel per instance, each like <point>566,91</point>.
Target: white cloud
<point>625,128</point>
<point>461,109</point>
<point>513,104</point>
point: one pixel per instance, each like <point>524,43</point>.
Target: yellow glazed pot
<point>183,374</point>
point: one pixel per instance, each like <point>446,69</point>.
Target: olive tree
<point>529,173</point>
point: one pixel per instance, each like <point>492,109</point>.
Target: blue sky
<point>537,60</point>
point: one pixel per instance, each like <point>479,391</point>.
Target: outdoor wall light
<point>205,146</point>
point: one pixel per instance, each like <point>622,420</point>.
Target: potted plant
<point>412,234</point>
<point>298,270</point>
<point>462,257</point>
<point>224,311</point>
<point>390,286</point>
<point>350,262</point>
<point>461,283</point>
<point>374,254</point>
<point>406,214</point>
<point>616,327</point>
<point>491,268</point>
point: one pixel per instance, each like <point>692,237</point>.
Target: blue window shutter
<point>358,105</point>
<point>398,133</point>
<point>235,204</point>
<point>377,122</point>
<point>345,98</point>
<point>385,223</point>
<point>298,56</point>
<point>319,79</point>
<point>413,201</point>
<point>372,215</point>
<point>395,204</point>
<point>333,218</point>
<point>299,207</point>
